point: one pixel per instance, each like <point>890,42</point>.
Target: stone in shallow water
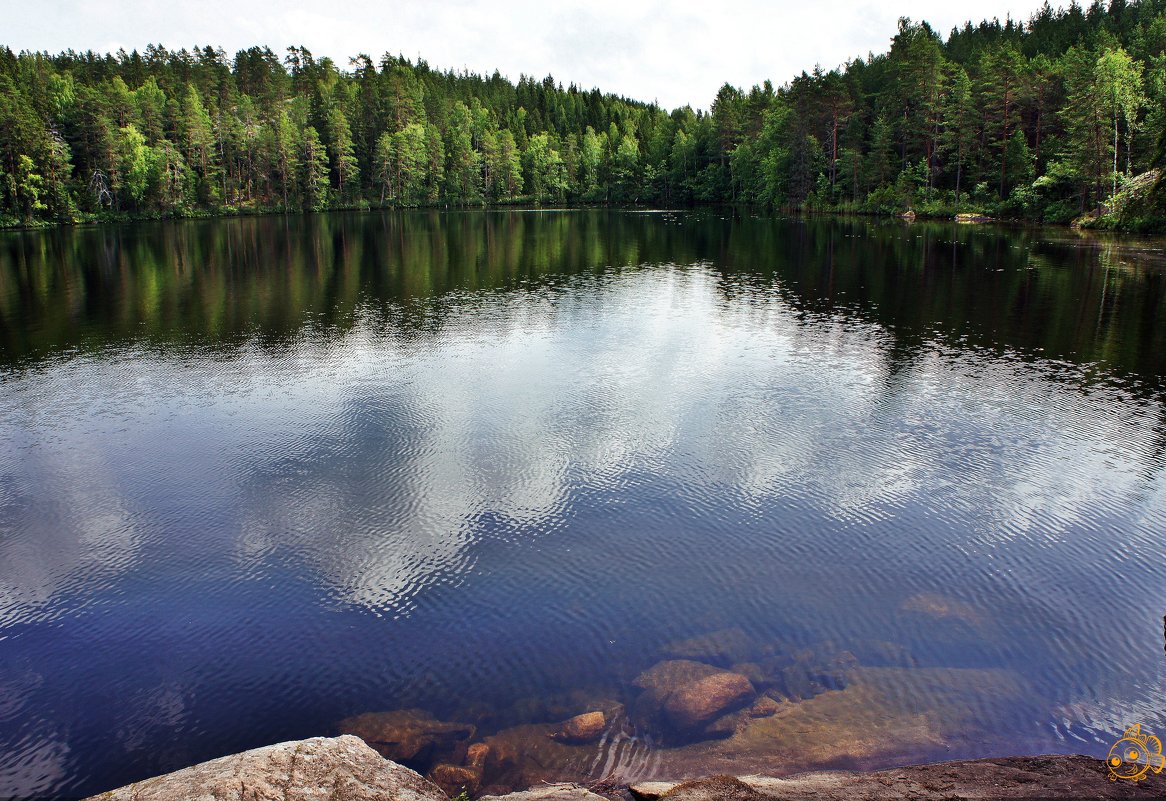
<point>477,754</point>
<point>882,715</point>
<point>763,707</point>
<point>455,779</point>
<point>689,695</point>
<point>583,728</point>
<point>407,735</point>
<point>522,756</point>
<point>692,705</point>
<point>664,676</point>
<point>306,770</point>
<point>937,606</point>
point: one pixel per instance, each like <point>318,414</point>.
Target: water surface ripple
<point>258,476</point>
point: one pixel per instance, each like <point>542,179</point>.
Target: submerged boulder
<point>456,779</point>
<point>692,705</point>
<point>583,728</point>
<point>322,767</point>
<point>940,607</point>
<point>690,695</point>
<point>407,735</point>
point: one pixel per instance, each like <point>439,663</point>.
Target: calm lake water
<point>258,476</point>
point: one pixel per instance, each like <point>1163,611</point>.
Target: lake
<point>262,476</point>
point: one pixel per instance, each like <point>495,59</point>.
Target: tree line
<point>1040,120</point>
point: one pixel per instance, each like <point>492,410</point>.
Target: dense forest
<point>1044,120</point>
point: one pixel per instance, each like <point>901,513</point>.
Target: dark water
<point>260,475</point>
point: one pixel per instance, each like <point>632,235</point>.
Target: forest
<point>1046,120</point>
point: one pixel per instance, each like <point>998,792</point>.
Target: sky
<point>675,53</point>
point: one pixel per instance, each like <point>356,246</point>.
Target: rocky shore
<point>751,717</point>
<point>345,768</point>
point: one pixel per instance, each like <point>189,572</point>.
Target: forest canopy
<point>1041,120</point>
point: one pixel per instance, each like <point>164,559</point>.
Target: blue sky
<point>676,52</point>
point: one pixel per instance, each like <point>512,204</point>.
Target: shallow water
<point>261,475</point>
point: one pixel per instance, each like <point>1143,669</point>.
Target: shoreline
<point>909,216</point>
<point>345,767</point>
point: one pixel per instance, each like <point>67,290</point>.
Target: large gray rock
<point>320,769</point>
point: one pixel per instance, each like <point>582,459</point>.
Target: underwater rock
<point>583,728</point>
<point>477,754</point>
<point>455,779</point>
<point>407,735</point>
<point>725,646</point>
<point>882,715</point>
<point>554,707</point>
<point>690,706</point>
<point>666,676</point>
<point>763,707</point>
<point>726,725</point>
<point>322,767</point>
<point>940,607</point>
<point>688,695</point>
<point>523,756</point>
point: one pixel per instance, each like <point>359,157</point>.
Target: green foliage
<point>1041,120</point>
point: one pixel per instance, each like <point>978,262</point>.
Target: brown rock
<point>1046,777</point>
<point>477,754</point>
<point>583,728</point>
<point>696,703</point>
<point>407,735</point>
<point>549,792</point>
<point>714,788</point>
<point>650,791</point>
<point>937,606</point>
<point>758,675</point>
<point>663,677</point>
<point>1043,777</point>
<point>763,707</point>
<point>455,779</point>
<point>305,770</point>
<point>726,725</point>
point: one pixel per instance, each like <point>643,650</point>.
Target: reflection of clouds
<point>32,763</point>
<point>373,457</point>
<point>34,766</point>
<point>147,713</point>
<point>520,394</point>
<point>67,520</point>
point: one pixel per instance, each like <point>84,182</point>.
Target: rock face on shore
<point>1044,777</point>
<point>334,768</point>
<point>345,769</point>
